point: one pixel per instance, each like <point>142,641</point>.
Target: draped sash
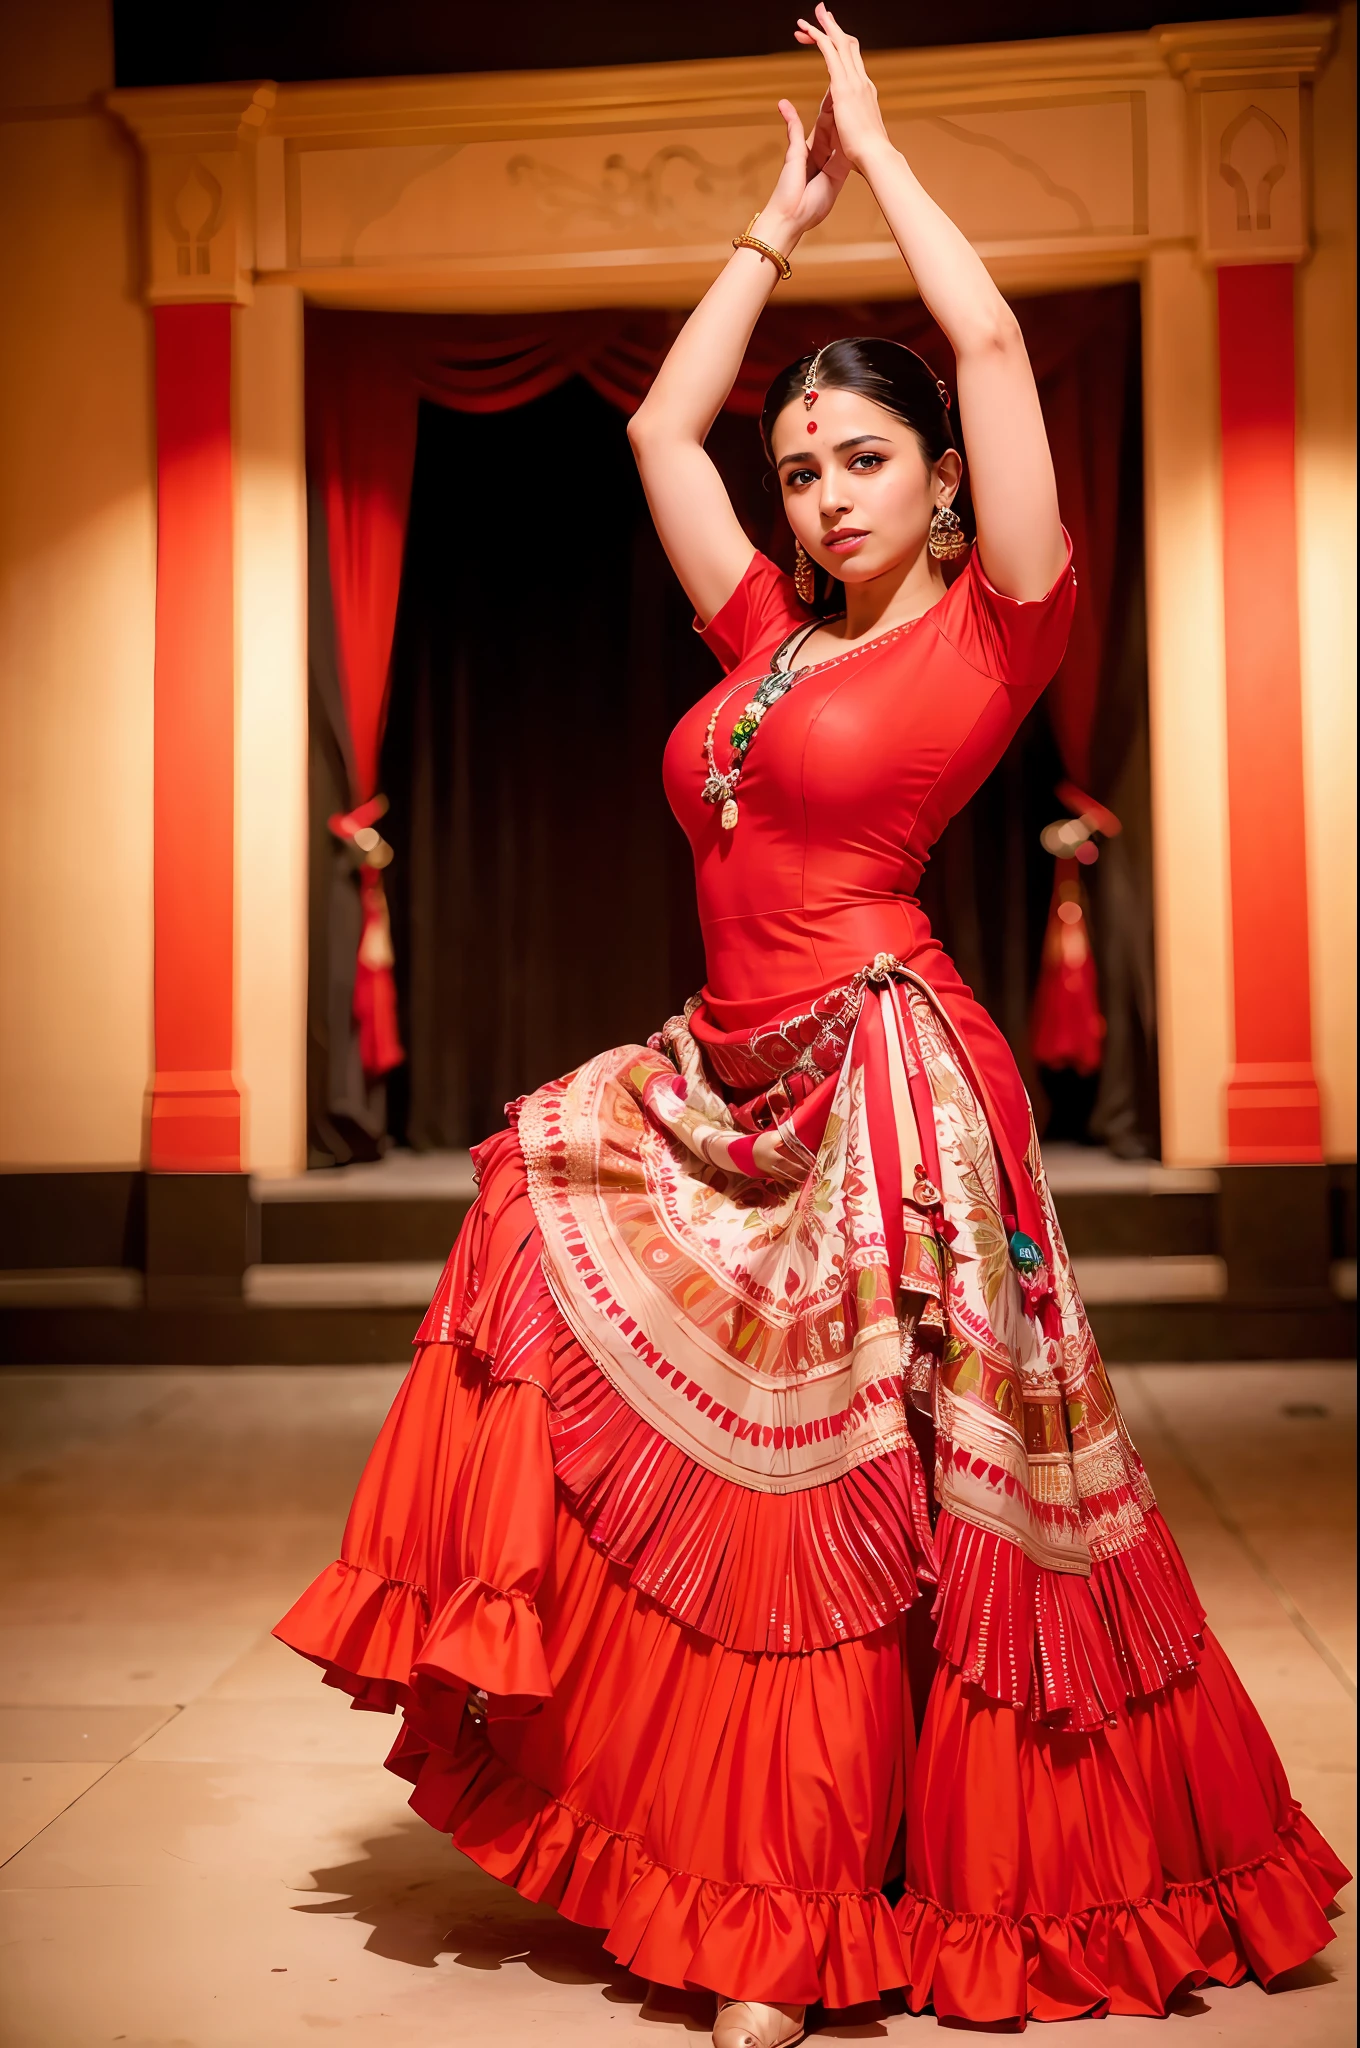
<point>775,1243</point>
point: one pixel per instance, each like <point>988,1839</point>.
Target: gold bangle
<point>750,241</point>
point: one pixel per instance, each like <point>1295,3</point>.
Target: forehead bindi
<point>837,416</point>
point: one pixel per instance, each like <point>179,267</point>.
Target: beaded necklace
<point>720,787</point>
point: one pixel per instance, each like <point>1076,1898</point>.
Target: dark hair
<point>892,376</point>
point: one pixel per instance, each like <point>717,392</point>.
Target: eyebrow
<point>838,448</point>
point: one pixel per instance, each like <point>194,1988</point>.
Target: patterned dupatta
<point>776,1245</point>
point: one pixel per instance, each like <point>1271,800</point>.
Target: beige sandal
<point>746,2023</point>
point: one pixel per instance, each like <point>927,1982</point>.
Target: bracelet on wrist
<point>766,249</point>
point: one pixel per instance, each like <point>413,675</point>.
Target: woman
<point>756,1331</point>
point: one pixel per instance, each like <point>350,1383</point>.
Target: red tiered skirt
<point>765,1823</point>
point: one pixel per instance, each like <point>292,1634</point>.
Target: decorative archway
<point>1089,160</point>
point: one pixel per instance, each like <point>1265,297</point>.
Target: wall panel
<point>77,560</point>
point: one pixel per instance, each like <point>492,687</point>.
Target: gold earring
<point>804,574</point>
<point>947,540</point>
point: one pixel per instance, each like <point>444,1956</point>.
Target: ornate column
<point>198,183</point>
<point>195,1101</point>
<point>1272,1096</point>
<point>1248,86</point>
<point>198,172</point>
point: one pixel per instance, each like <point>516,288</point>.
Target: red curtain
<point>366,376</point>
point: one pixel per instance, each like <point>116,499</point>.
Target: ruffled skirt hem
<point>516,1535</point>
<point>1131,1957</point>
<point>1134,1956</point>
<point>667,1926</point>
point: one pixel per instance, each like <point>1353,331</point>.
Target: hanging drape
<point>1082,413</point>
<point>368,373</point>
<point>542,894</point>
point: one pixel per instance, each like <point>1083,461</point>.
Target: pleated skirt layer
<point>766,1824</point>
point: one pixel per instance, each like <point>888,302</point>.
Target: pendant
<point>728,815</point>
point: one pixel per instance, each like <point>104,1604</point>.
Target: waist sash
<point>774,1242</point>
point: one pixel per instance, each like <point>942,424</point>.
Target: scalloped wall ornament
<point>1251,184</point>
<point>678,189</point>
<point>1253,156</point>
<point>194,212</point>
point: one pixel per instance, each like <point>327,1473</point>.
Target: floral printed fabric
<point>735,1285</point>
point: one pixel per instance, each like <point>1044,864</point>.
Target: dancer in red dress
<point>760,1348</point>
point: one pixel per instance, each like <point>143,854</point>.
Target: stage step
<point>1104,1282</point>
<point>1108,1282</point>
<point>1173,1263</point>
<point>393,1284</point>
<point>409,1206</point>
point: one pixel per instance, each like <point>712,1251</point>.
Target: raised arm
<point>700,532</point>
<point>1010,469</point>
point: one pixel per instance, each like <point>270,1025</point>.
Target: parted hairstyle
<point>892,376</point>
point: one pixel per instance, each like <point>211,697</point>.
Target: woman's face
<point>859,491</point>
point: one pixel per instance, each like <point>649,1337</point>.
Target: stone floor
<point>204,1850</point>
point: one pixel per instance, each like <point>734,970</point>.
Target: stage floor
<point>204,1848</point>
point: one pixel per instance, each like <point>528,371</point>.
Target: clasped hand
<point>848,128</point>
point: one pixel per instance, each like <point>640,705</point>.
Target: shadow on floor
<point>423,1899</point>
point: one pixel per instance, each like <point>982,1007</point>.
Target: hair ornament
<point>943,390</point>
<point>810,381</point>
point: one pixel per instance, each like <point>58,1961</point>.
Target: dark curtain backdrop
<point>542,904</point>
<point>346,1108</point>
<point>1126,1112</point>
<point>541,894</point>
<point>988,887</point>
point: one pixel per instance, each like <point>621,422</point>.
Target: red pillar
<point>1273,1110</point>
<point>195,1101</point>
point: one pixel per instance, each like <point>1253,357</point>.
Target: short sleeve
<point>762,611</point>
<point>1018,642</point>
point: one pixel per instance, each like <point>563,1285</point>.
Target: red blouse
<point>849,782</point>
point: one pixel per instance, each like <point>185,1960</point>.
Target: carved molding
<point>1063,160</point>
<point>1251,176</point>
<point>199,188</point>
<point>1224,56</point>
<point>1248,81</point>
<point>721,93</point>
<point>674,185</point>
